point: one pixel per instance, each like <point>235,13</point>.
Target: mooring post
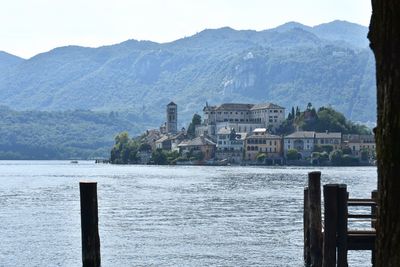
<point>306,225</point>
<point>374,197</point>
<point>89,225</point>
<point>342,198</point>
<point>330,225</point>
<point>314,198</point>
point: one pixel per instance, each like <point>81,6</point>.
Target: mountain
<point>7,60</point>
<point>293,64</point>
<point>60,135</point>
<point>337,31</point>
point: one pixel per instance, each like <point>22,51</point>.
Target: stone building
<point>333,139</point>
<point>200,145</point>
<point>240,117</point>
<point>172,118</point>
<point>302,141</point>
<point>230,145</point>
<point>261,142</point>
<point>357,143</point>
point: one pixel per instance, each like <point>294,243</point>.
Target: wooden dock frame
<point>330,246</point>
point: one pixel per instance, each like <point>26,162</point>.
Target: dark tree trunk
<point>385,42</point>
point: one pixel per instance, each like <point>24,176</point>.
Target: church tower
<point>172,118</point>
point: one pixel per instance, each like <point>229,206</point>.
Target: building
<point>261,142</point>
<point>170,142</point>
<point>163,143</point>
<point>230,145</point>
<point>358,143</point>
<point>201,147</point>
<point>151,136</point>
<point>172,118</point>
<point>302,141</point>
<point>333,139</point>
<point>240,117</point>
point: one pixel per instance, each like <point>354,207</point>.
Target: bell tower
<point>172,118</point>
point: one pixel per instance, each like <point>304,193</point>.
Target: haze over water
<point>163,216</point>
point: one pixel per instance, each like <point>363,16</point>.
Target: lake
<point>163,216</point>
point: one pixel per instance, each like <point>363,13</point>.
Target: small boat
<point>74,162</point>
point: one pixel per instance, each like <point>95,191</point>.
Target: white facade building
<point>302,141</point>
<point>241,117</point>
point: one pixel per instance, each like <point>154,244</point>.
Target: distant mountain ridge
<point>293,64</point>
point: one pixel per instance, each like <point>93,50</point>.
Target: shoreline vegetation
<point>149,148</point>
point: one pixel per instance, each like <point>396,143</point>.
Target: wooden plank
<point>361,216</point>
<point>361,241</point>
<point>361,232</point>
<point>361,203</point>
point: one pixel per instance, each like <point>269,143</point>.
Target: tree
<point>385,43</point>
<point>159,157</point>
<point>261,157</point>
<point>196,120</point>
<point>144,147</point>
<point>293,154</point>
<point>347,151</point>
<point>336,157</point>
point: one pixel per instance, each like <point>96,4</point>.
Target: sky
<point>29,27</point>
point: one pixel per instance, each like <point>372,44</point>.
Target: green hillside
<point>60,135</point>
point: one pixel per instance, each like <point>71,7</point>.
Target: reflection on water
<point>162,216</point>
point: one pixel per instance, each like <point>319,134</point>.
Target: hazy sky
<point>28,27</point>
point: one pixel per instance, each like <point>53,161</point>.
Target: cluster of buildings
<point>242,134</point>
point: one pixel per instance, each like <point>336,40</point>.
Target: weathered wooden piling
<point>374,197</point>
<point>342,197</point>
<point>315,225</point>
<point>330,226</point>
<point>306,221</point>
<point>89,225</point>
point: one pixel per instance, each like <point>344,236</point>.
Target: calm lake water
<point>163,216</point>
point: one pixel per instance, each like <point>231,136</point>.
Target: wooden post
<point>306,225</point>
<point>330,225</point>
<point>374,197</point>
<point>89,225</point>
<point>342,197</point>
<point>314,198</point>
